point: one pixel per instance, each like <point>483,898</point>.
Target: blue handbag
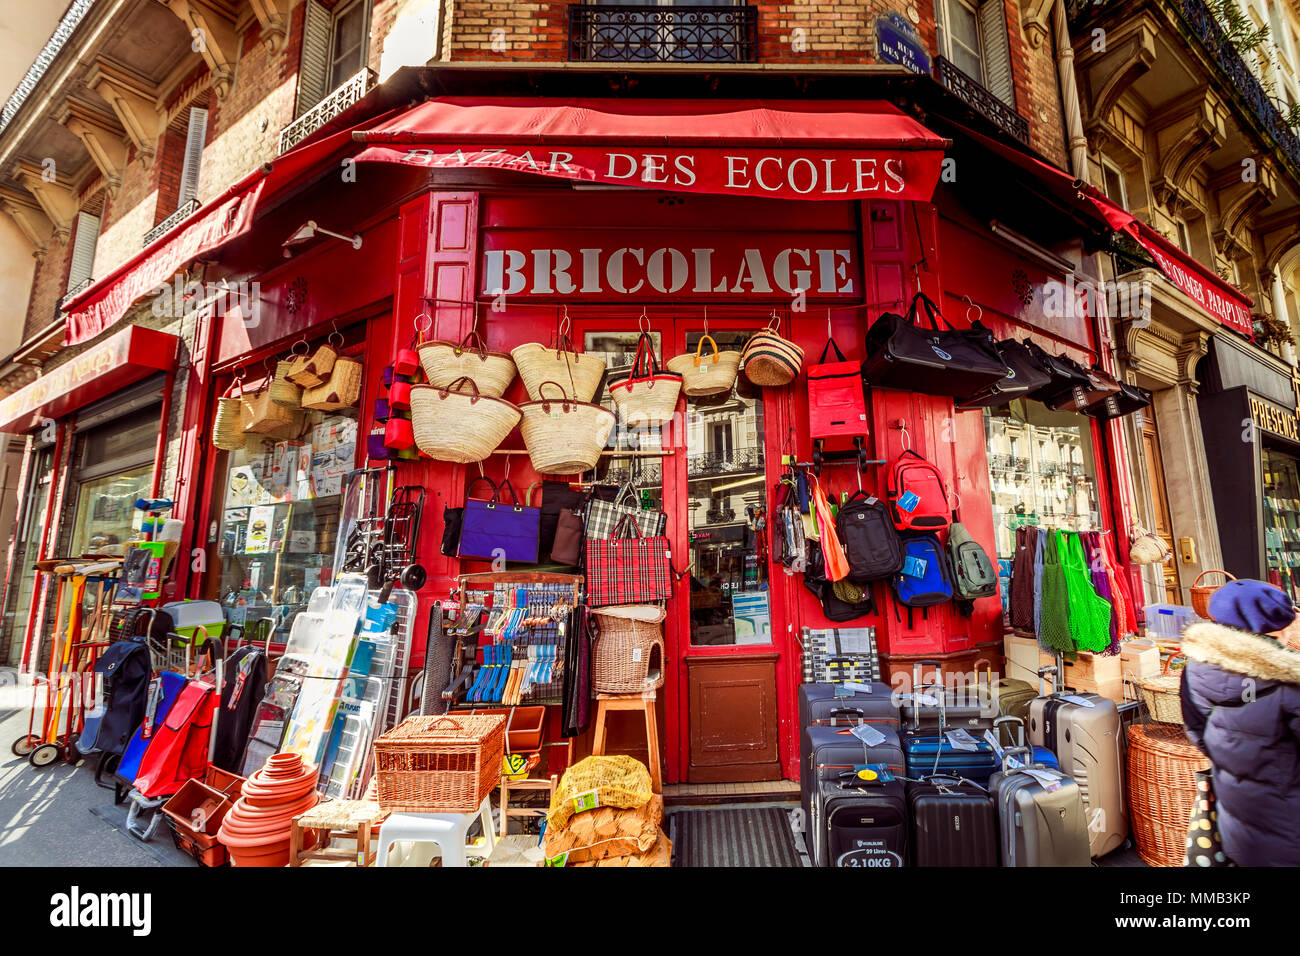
<point>496,529</point>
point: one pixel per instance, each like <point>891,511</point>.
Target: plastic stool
<point>642,702</point>
<point>448,831</point>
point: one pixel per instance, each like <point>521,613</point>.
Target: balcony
<point>352,90</point>
<point>184,212</point>
<point>712,466</point>
<point>654,34</point>
<point>981,100</point>
<point>73,292</point>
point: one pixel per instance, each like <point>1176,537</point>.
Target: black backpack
<point>833,607</point>
<point>867,534</point>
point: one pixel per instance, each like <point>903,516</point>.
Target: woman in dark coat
<point>1241,705</point>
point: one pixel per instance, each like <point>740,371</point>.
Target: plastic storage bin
<point>1166,621</point>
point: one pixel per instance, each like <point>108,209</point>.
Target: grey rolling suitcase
<point>971,707</point>
<point>1038,827</point>
<point>817,702</point>
<point>830,751</point>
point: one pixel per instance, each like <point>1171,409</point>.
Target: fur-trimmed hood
<point>1241,652</point>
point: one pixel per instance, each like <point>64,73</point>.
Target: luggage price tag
<point>914,567</point>
<point>872,773</point>
<point>1081,701</point>
<point>1049,780</point>
<point>869,735</point>
<point>855,687</point>
<point>908,501</point>
<point>961,740</point>
<point>872,500</point>
<point>842,690</point>
<point>928,700</point>
<point>992,740</point>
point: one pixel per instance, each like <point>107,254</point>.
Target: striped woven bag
<point>769,360</point>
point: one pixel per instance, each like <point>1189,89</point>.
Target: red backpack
<point>918,497</point>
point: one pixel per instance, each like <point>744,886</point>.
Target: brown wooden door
<point>1164,526</point>
<point>733,719</point>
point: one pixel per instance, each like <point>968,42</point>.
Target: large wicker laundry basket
<point>1162,765</point>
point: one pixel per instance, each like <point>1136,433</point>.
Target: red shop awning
<point>120,360</point>
<point>1215,297</point>
<point>216,223</point>
<point>777,149</point>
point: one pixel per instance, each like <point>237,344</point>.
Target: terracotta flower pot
<point>256,830</point>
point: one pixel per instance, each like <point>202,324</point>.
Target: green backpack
<point>974,575</point>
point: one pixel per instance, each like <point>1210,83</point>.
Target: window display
<point>1282,521</point>
<point>280,517</point>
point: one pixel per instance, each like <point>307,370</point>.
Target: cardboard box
<point>1139,659</point>
<point>1094,668</point>
<point>1113,689</point>
<point>1023,658</point>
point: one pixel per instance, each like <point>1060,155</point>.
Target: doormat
<point>754,836</point>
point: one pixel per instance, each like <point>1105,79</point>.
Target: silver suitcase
<point>1036,826</point>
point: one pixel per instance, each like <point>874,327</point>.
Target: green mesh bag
<point>1089,614</point>
<point>1054,627</point>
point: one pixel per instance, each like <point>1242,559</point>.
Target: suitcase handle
<point>1017,750</point>
<point>1016,720</point>
<point>1042,671</point>
<point>916,704</point>
<point>847,712</point>
<point>916,672</point>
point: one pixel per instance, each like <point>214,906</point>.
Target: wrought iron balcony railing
<point>346,95</point>
<point>982,100</point>
<point>53,46</point>
<point>703,466</point>
<point>67,296</point>
<point>653,34</point>
<point>183,212</point>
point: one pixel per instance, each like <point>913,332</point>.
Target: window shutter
<point>313,67</point>
<point>83,249</point>
<point>194,139</point>
<point>997,51</point>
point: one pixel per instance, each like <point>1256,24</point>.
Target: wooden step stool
<point>335,820</point>
<point>528,783</point>
<point>642,702</point>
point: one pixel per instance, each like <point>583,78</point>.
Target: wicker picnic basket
<point>1201,593</point>
<point>442,764</point>
<point>227,431</point>
<point>341,390</point>
<point>1162,765</point>
<point>537,364</point>
<point>564,437</point>
<point>284,392</point>
<point>312,370</point>
<point>1161,695</point>
<point>628,636</point>
<point>706,374</point>
<point>445,362</point>
<point>458,423</point>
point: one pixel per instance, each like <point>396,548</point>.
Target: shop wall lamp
<point>309,231</point>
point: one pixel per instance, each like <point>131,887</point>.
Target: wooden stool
<point>643,702</point>
<point>335,819</point>
<point>528,783</point>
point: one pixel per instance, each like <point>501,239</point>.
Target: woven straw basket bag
<point>227,430</point>
<point>1201,593</point>
<point>341,390</point>
<point>769,360</point>
<point>578,374</point>
<point>564,437</point>
<point>445,362</point>
<point>283,391</point>
<point>309,371</point>
<point>706,374</point>
<point>457,423</point>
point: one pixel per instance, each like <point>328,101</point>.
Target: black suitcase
<point>817,702</point>
<point>859,825</point>
<point>827,751</point>
<point>954,823</point>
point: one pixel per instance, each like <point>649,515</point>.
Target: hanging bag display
<point>925,579</point>
<point>1089,614</point>
<point>311,370</point>
<point>769,360</point>
<point>495,529</point>
<point>918,497</point>
<point>283,391</point>
<point>603,516</point>
<point>939,360</point>
<point>1024,376</point>
<point>227,427</point>
<point>341,390</point>
<point>570,535</point>
<point>564,436</point>
<point>455,423</point>
<point>706,374</point>
<point>1125,401</point>
<point>258,415</point>
<point>1146,547</point>
<point>837,405</point>
<point>627,568</point>
<point>445,362</point>
<point>453,519</point>
<point>647,395</point>
<point>1096,386</point>
<point>871,544</point>
<point>836,565</point>
<point>1065,375</point>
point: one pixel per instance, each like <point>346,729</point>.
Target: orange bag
<point>837,565</point>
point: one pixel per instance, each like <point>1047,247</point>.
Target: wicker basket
<point>624,649</point>
<point>647,401</point>
<point>770,361</point>
<point>261,416</point>
<point>578,374</point>
<point>227,431</point>
<point>343,390</point>
<point>1161,695</point>
<point>564,437</point>
<point>1201,593</point>
<point>309,371</point>
<point>706,374</point>
<point>284,392</point>
<point>1162,765</point>
<point>456,423</point>
<point>445,362</point>
<point>442,764</point>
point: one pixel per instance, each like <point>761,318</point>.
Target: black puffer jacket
<point>1241,705</point>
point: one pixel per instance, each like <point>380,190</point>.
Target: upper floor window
<point>973,36</point>
<point>1113,181</point>
<point>335,48</point>
<point>348,45</point>
<point>689,31</point>
<point>195,136</point>
<point>82,266</point>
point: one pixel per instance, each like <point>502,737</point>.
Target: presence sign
<point>1274,419</point>
<point>897,42</point>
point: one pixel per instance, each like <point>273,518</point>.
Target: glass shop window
<point>1282,522</point>
<point>1042,471</point>
<point>115,468</point>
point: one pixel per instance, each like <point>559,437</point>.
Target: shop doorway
<point>708,470</point>
<point>1160,502</point>
<point>28,532</point>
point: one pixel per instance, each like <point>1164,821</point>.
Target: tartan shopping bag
<point>604,516</point>
<point>627,568</point>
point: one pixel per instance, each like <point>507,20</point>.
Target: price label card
<point>963,741</point>
<point>908,501</point>
<point>1049,780</point>
<point>914,567</point>
<point>856,687</point>
<point>1081,701</point>
<point>992,740</point>
<point>869,735</point>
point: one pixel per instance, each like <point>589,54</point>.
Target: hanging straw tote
<point>1146,547</point>
<point>258,415</point>
<point>458,423</point>
<point>770,361</point>
<point>538,364</point>
<point>445,362</point>
<point>1201,593</point>
<point>564,437</point>
<point>313,370</point>
<point>647,395</point>
<point>227,431</point>
<point>342,390</point>
<point>706,374</point>
<point>283,391</point>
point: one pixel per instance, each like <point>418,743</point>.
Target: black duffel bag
<point>1066,375</point>
<point>1024,375</point>
<point>940,360</point>
<point>1126,401</point>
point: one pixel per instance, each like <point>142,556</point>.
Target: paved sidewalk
<point>46,816</point>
